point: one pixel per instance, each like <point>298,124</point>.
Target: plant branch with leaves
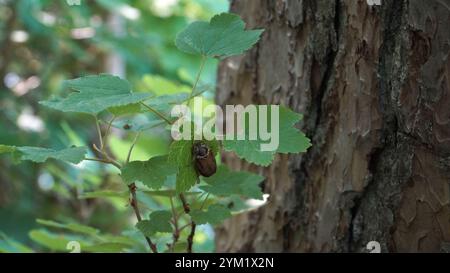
<point>99,95</point>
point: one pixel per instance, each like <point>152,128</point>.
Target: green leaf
<point>223,36</point>
<point>237,203</point>
<point>152,173</point>
<point>180,247</point>
<point>73,155</point>
<point>7,149</point>
<point>163,86</point>
<point>124,240</point>
<point>165,103</point>
<point>59,242</point>
<point>95,94</point>
<point>105,248</point>
<point>180,153</point>
<point>9,245</point>
<point>49,240</point>
<point>215,214</point>
<point>159,222</point>
<point>213,144</point>
<point>168,101</point>
<point>74,227</point>
<point>291,140</point>
<point>225,182</point>
<point>134,108</point>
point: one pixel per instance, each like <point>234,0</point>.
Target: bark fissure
<point>373,85</point>
<point>389,132</point>
<point>330,63</point>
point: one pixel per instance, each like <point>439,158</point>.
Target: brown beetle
<point>205,163</point>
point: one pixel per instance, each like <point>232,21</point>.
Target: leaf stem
<point>108,130</point>
<point>197,79</point>
<point>106,161</point>
<point>107,158</point>
<point>134,204</point>
<point>132,146</point>
<point>101,150</point>
<point>157,113</point>
<point>99,132</point>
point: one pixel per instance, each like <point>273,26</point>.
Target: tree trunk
<point>373,84</point>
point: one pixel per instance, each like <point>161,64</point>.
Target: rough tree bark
<point>373,84</point>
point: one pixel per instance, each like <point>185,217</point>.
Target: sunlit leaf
<point>291,140</point>
<point>225,182</point>
<point>180,153</point>
<point>74,227</point>
<point>106,248</point>
<point>163,86</point>
<point>9,245</point>
<point>49,240</point>
<point>213,215</point>
<point>152,173</point>
<point>223,36</point>
<point>133,108</point>
<point>36,154</point>
<point>96,93</point>
<point>159,222</point>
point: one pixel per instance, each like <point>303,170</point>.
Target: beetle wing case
<point>204,164</point>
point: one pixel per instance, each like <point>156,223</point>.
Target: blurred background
<point>42,43</point>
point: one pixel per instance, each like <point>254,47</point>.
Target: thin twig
<point>134,204</point>
<point>157,113</point>
<point>101,150</point>
<point>107,161</point>
<point>107,158</point>
<point>97,149</point>
<point>174,212</point>
<point>132,146</point>
<point>190,239</point>
<point>186,207</point>
<point>176,232</point>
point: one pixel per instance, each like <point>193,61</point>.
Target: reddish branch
<point>190,239</point>
<point>176,232</point>
<point>186,207</point>
<point>134,205</point>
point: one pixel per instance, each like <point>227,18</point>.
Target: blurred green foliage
<point>42,43</point>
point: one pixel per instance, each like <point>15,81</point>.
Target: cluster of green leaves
<point>51,54</point>
<point>171,175</point>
